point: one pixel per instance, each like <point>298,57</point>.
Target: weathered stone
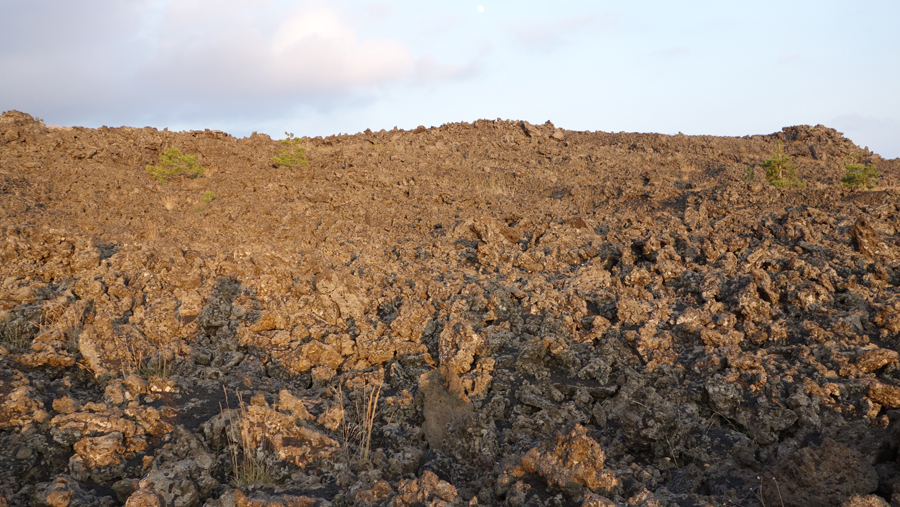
<point>569,459</point>
<point>290,403</point>
<point>101,451</point>
<point>426,490</point>
<point>295,444</point>
<point>885,394</point>
<point>458,345</point>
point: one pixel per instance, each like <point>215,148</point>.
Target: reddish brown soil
<point>547,317</point>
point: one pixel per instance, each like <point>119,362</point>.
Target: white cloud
<point>234,48</point>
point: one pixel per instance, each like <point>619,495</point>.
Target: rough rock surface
<point>494,313</point>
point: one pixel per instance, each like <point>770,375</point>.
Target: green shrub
<point>780,170</point>
<point>749,173</point>
<point>208,197</point>
<point>173,164</point>
<point>292,155</point>
<point>859,175</point>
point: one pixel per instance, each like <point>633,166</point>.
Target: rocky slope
<point>494,313</point>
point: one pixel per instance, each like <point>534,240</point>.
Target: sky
<point>323,67</point>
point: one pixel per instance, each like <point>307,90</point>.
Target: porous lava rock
<point>486,313</point>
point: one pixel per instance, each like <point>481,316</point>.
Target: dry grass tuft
<point>358,434</point>
<point>17,335</point>
<point>248,465</point>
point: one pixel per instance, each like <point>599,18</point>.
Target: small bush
<point>208,197</point>
<point>780,170</point>
<point>292,155</point>
<point>859,175</point>
<point>174,164</point>
<point>749,173</point>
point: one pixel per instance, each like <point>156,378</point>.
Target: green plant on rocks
<point>781,170</point>
<point>175,164</point>
<point>208,197</point>
<point>292,153</point>
<point>749,174</point>
<point>859,175</point>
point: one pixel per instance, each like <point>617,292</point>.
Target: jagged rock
<point>425,490</point>
<point>567,461</point>
<point>170,485</point>
<point>885,394</point>
<point>295,444</point>
<point>20,407</point>
<point>458,345</point>
<point>867,242</point>
<point>63,491</point>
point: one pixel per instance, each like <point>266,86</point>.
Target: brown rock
<point>412,320</point>
<point>19,407</point>
<point>426,490</point>
<point>310,354</point>
<point>865,501</point>
<point>65,405</point>
<point>875,359</point>
<point>458,345</point>
<point>60,492</point>
<point>885,394</point>
<point>101,451</point>
<point>867,242</point>
<point>295,444</point>
<point>290,403</point>
<point>564,460</point>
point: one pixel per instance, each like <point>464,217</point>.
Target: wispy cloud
<point>428,70</point>
<point>547,35</point>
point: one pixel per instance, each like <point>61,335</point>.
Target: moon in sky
<point>480,8</point>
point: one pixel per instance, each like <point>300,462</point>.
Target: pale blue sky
<point>328,67</point>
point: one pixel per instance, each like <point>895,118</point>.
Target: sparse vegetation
<point>859,175</point>
<point>781,170</point>
<point>749,173</point>
<point>208,197</point>
<point>292,155</point>
<point>359,433</point>
<point>174,164</point>
<point>147,364</point>
<point>16,335</point>
<point>246,466</point>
